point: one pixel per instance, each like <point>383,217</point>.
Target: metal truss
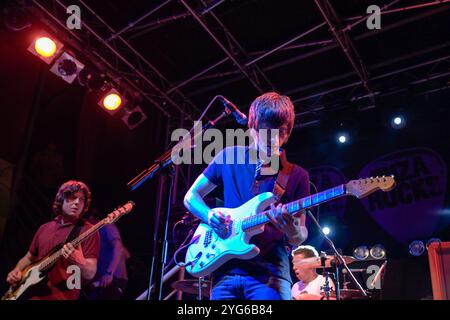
<point>121,57</point>
<point>111,48</point>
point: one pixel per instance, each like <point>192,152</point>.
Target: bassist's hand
<point>14,276</point>
<point>74,255</point>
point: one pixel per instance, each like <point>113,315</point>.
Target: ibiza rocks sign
<point>411,210</point>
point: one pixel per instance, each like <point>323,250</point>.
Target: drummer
<point>309,286</point>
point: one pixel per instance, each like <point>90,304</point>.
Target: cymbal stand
<point>339,259</point>
<point>200,283</point>
<point>326,287</point>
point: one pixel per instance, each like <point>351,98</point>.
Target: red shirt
<point>46,238</point>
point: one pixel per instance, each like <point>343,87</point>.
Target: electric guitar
<point>37,271</point>
<point>207,251</point>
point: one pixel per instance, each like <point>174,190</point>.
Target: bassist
<point>71,203</point>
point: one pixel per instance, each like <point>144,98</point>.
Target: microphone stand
<point>165,165</point>
<point>340,260</point>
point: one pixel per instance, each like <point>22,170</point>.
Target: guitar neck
<point>50,260</point>
<point>296,206</point>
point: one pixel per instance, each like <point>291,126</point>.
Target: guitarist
<point>71,202</point>
<point>267,276</point>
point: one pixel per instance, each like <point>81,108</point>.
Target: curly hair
<point>66,190</point>
<point>274,109</point>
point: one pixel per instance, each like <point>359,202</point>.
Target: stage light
<point>111,101</point>
<point>361,253</point>
<point>326,230</point>
<point>16,18</point>
<point>433,240</point>
<point>398,122</point>
<point>91,80</point>
<point>133,117</point>
<point>377,252</point>
<point>67,67</point>
<point>416,248</point>
<point>45,47</point>
<point>342,138</point>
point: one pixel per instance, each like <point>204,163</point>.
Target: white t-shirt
<point>314,287</point>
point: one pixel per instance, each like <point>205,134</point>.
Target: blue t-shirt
<point>237,180</point>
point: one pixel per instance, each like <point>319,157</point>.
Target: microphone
<point>238,115</point>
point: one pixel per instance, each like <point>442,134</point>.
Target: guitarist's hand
<point>74,255</point>
<point>219,222</point>
<point>281,219</point>
<point>14,276</point>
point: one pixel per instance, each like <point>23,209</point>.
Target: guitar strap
<point>75,231</point>
<point>283,177</point>
<point>281,181</point>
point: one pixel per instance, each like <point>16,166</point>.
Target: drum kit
<point>202,287</point>
<point>326,262</point>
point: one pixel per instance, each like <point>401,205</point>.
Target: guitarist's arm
<point>193,200</point>
<point>16,274</point>
<point>195,204</point>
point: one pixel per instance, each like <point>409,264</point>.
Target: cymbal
<point>315,262</point>
<point>347,294</point>
<point>191,286</point>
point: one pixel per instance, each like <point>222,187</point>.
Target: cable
<point>183,245</point>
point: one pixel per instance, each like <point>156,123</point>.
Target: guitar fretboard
<point>295,206</point>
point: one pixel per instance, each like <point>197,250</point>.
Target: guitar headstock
<point>363,187</point>
<point>116,214</point>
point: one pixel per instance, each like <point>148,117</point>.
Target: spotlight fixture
<point>377,252</point>
<point>326,230</point>
<point>416,248</point>
<point>45,47</point>
<point>342,138</point>
<point>134,117</point>
<point>111,101</point>
<point>433,240</point>
<point>67,67</point>
<point>361,253</point>
<point>91,80</point>
<point>16,18</point>
<point>398,122</point>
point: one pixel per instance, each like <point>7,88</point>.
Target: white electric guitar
<point>37,271</point>
<point>207,251</point>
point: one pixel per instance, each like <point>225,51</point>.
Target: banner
<point>411,210</point>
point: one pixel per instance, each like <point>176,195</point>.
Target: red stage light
<point>45,47</point>
<point>112,101</point>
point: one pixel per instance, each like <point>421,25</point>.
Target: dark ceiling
<point>180,54</point>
